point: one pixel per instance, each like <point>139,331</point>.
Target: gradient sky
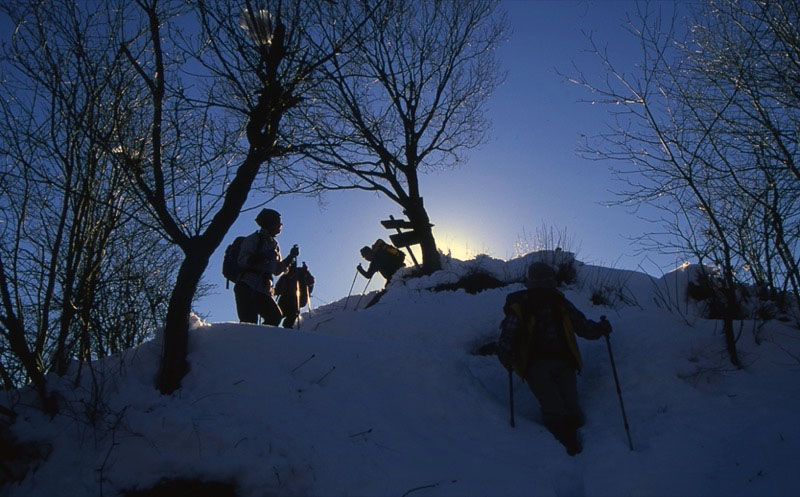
<point>527,176</point>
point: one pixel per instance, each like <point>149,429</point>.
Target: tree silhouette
<point>407,97</point>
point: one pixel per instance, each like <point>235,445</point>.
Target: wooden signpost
<point>402,238</point>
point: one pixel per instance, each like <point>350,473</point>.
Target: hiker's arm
<point>284,264</point>
<point>586,328</point>
<point>369,272</point>
<point>508,331</point>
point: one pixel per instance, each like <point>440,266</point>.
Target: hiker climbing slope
<point>537,341</point>
<point>383,258</point>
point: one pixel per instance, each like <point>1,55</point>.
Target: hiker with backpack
<point>537,341</point>
<point>258,259</point>
<point>383,258</point>
<point>294,290</point>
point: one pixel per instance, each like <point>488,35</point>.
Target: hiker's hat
<point>267,218</point>
<point>541,275</point>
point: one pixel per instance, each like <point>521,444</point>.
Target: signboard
<point>402,238</point>
<point>393,224</point>
<point>405,239</point>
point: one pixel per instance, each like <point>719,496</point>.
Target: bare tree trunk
<point>198,250</point>
<point>174,365</point>
<point>731,309</point>
<point>420,221</point>
<point>15,334</point>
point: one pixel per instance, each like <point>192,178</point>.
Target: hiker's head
<point>270,221</point>
<point>541,275</point>
<point>366,253</point>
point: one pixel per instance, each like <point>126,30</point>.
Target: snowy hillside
<point>393,400</point>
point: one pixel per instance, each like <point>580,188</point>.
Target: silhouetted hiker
<point>293,290</point>
<point>538,341</point>
<point>259,259</point>
<point>383,258</point>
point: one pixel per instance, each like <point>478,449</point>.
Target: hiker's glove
<point>605,326</point>
<point>294,252</point>
<point>359,267</point>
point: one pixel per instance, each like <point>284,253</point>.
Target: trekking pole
<point>351,290</point>
<point>309,306</point>
<point>297,301</point>
<point>362,293</point>
<point>511,395</point>
<point>619,392</point>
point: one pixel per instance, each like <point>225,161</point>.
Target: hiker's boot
<point>572,442</point>
<point>576,419</point>
<point>566,433</point>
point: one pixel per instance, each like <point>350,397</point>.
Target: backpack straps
<point>526,331</point>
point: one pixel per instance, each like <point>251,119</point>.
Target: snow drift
<point>393,400</point>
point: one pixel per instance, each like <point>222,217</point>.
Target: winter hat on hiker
<point>541,275</point>
<point>267,218</point>
<point>366,253</point>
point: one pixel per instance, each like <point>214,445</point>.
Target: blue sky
<point>527,176</point>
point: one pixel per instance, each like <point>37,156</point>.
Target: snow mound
<point>392,400</point>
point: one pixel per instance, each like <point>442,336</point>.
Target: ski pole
<point>351,290</point>
<point>619,392</point>
<point>511,395</point>
<point>362,293</point>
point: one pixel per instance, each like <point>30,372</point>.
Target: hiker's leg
<point>270,311</point>
<point>288,307</point>
<point>567,384</point>
<point>246,307</point>
<point>375,299</point>
<point>543,380</point>
<point>289,320</point>
<point>564,376</point>
<point>540,379</point>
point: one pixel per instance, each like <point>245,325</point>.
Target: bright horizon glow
<point>460,247</point>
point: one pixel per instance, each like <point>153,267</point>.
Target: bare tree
<point>751,54</point>
<point>215,102</point>
<point>138,123</point>
<point>65,234</point>
<point>707,131</point>
<point>407,98</point>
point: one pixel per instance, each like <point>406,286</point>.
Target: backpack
<point>532,334</point>
<point>297,278</point>
<point>307,284</point>
<point>392,251</point>
<point>230,263</point>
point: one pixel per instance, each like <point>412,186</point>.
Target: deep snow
<point>392,400</point>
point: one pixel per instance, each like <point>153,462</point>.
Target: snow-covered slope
<point>392,400</point>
